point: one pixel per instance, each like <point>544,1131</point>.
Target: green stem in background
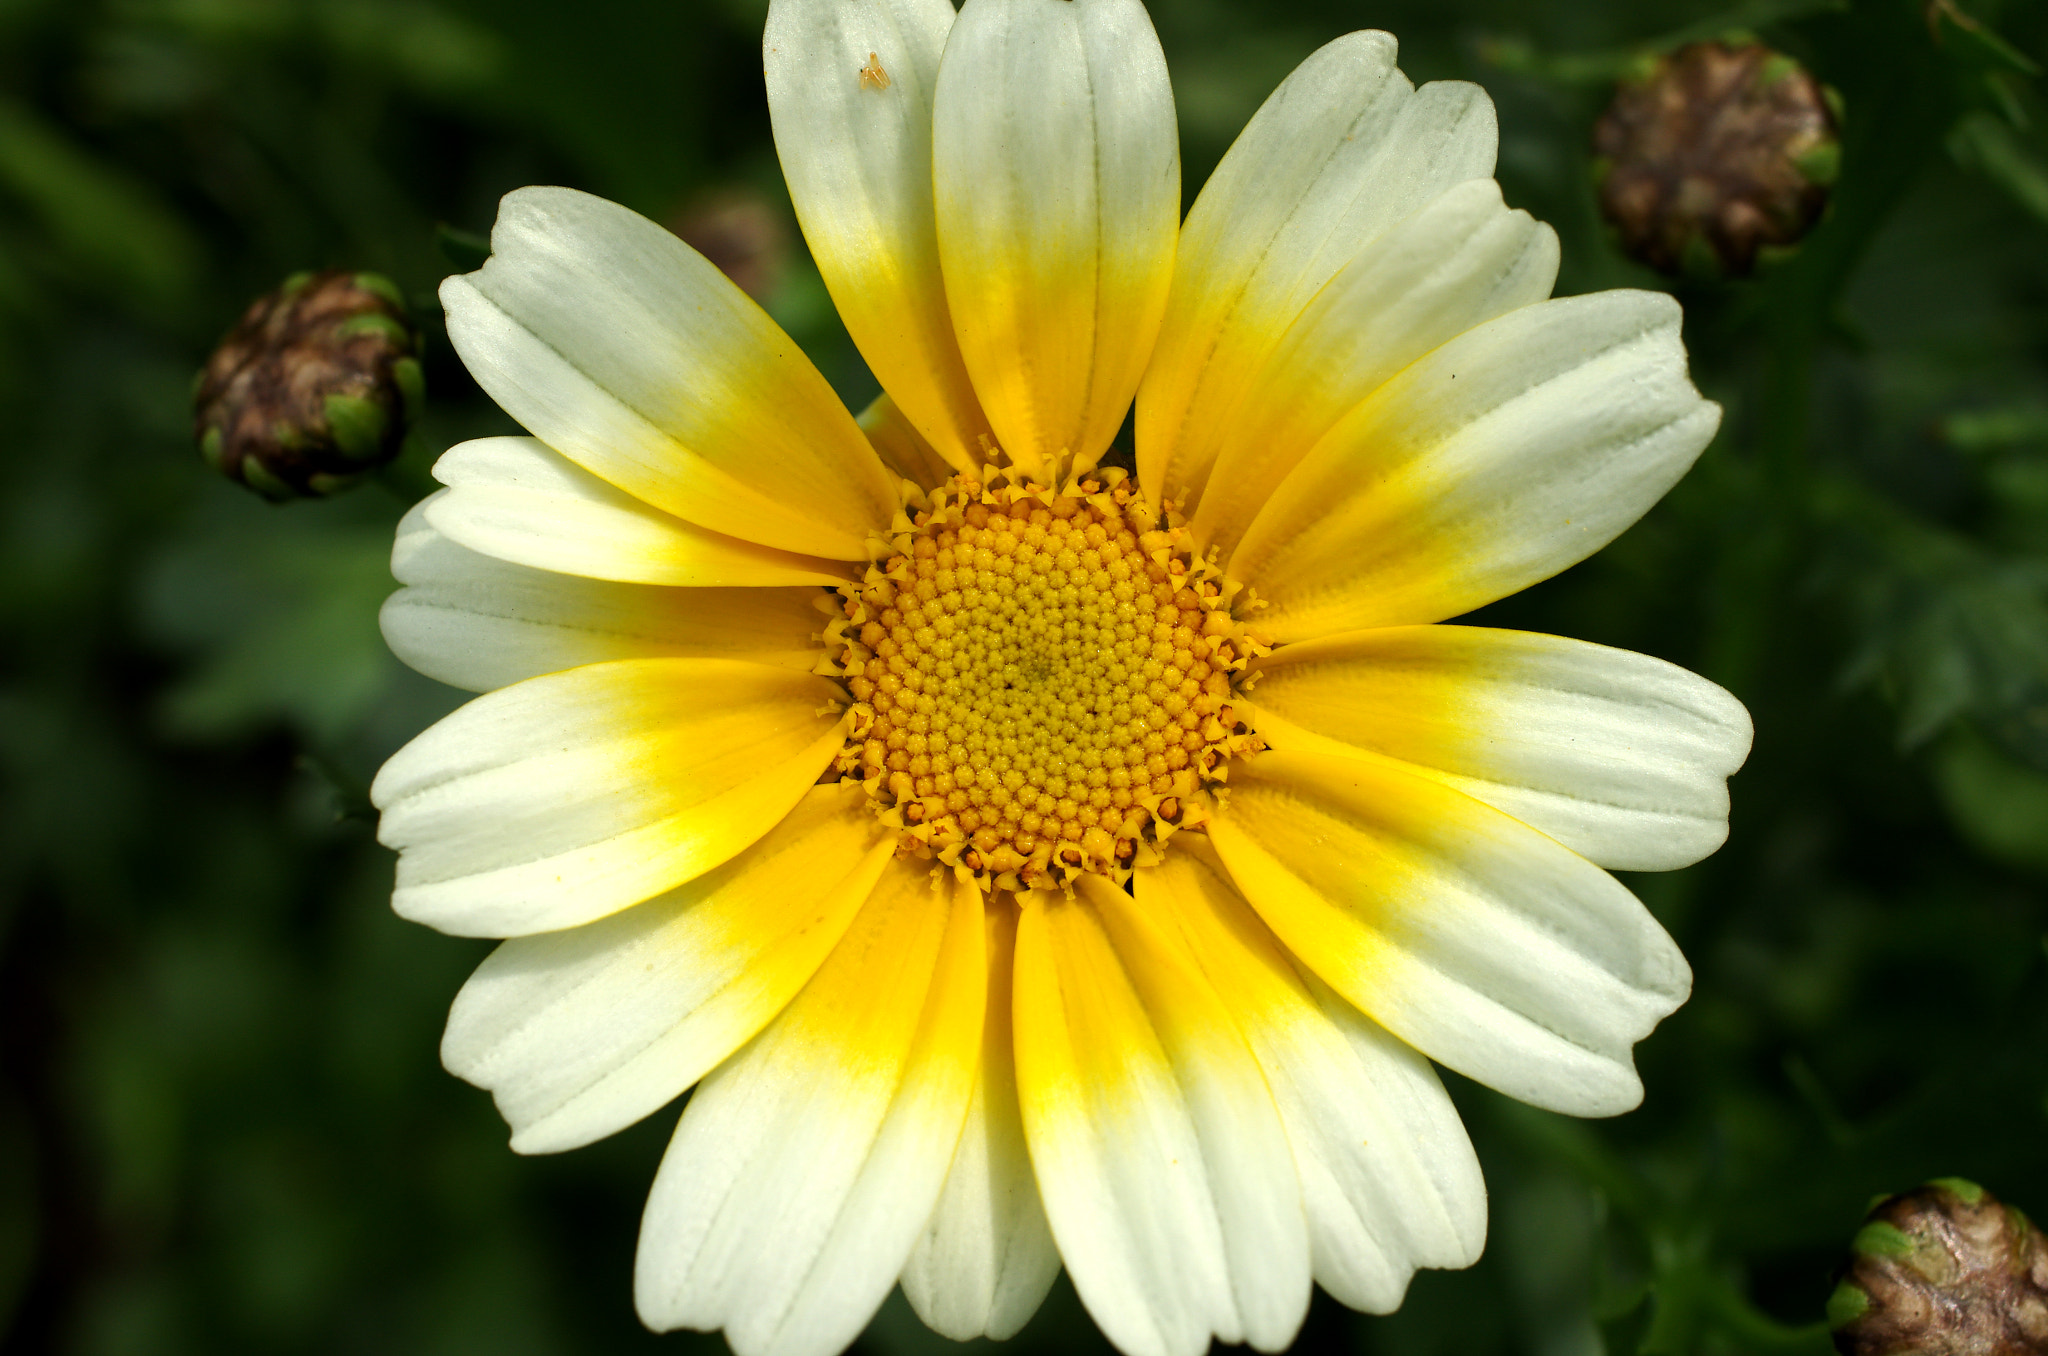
<point>1758,1331</point>
<point>1900,101</point>
<point>1690,1295</point>
<point>1693,1298</point>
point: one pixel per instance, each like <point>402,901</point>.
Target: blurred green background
<point>223,1123</point>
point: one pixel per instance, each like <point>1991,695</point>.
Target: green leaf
<point>1996,429</point>
<point>278,609</point>
<point>1997,804</point>
<point>1974,42</point>
<point>1989,145</point>
<point>1951,629</point>
<point>106,223</point>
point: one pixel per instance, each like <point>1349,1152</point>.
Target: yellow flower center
<point>1044,678</point>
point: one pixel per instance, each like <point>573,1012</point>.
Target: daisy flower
<point>1027,863</point>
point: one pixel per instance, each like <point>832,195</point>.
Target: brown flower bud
<point>1945,1270</point>
<point>313,388</point>
<point>1715,154</point>
<point>740,231</point>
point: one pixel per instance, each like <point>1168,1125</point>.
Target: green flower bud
<point>1945,1270</point>
<point>314,387</point>
<point>1715,155</point>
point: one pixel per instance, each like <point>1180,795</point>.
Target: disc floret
<point>1043,678</point>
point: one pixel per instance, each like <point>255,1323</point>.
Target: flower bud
<point>313,388</point>
<point>1944,1270</point>
<point>1715,154</point>
<point>739,230</point>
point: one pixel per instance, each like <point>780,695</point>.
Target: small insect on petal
<point>872,76</point>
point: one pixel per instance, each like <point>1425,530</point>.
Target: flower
<point>1028,863</point>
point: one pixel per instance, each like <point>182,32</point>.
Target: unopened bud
<point>1717,154</point>
<point>740,231</point>
<point>1945,1270</point>
<point>314,387</point>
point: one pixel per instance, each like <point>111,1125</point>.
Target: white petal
<point>1512,452</point>
<point>628,352</point>
<point>1388,1176</point>
<point>1160,1157</point>
<point>1457,263</point>
<point>1484,944</point>
<point>805,1168</point>
<point>1340,152</point>
<point>1622,758</point>
<point>856,148</point>
<point>567,797</point>
<point>580,1033</point>
<point>476,622</point>
<point>518,500</point>
<point>1056,166</point>
<point>986,1259</point>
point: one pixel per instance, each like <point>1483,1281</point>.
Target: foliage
<point>223,1126</point>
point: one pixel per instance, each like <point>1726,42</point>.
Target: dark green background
<point>223,1124</point>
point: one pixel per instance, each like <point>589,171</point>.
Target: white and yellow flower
<point>1032,864</point>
